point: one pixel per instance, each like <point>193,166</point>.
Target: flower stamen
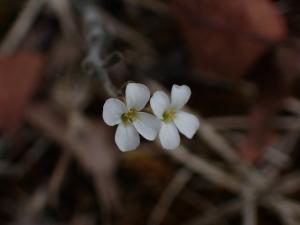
<point>130,116</point>
<point>169,115</point>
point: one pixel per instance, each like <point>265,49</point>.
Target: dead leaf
<point>232,39</point>
<point>226,37</point>
<point>19,76</point>
<point>272,85</point>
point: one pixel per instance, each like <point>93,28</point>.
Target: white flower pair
<point>132,122</point>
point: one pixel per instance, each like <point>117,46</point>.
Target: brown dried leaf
<point>19,76</point>
<point>226,37</point>
<point>273,74</point>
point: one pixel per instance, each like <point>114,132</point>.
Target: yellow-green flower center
<point>130,116</point>
<point>169,115</point>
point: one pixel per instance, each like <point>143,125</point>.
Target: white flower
<point>129,119</point>
<point>173,119</point>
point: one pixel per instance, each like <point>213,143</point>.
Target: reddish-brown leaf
<point>273,74</point>
<point>226,37</point>
<point>19,76</point>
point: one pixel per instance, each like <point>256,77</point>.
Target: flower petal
<point>147,125</point>
<point>169,136</point>
<point>159,102</point>
<point>137,95</point>
<point>112,110</point>
<point>186,123</point>
<point>127,138</point>
<point>180,95</point>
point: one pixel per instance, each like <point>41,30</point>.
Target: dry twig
<point>249,206</point>
<point>21,26</point>
<point>95,38</point>
<point>206,169</point>
<point>63,11</point>
<point>175,186</point>
<point>217,213</point>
